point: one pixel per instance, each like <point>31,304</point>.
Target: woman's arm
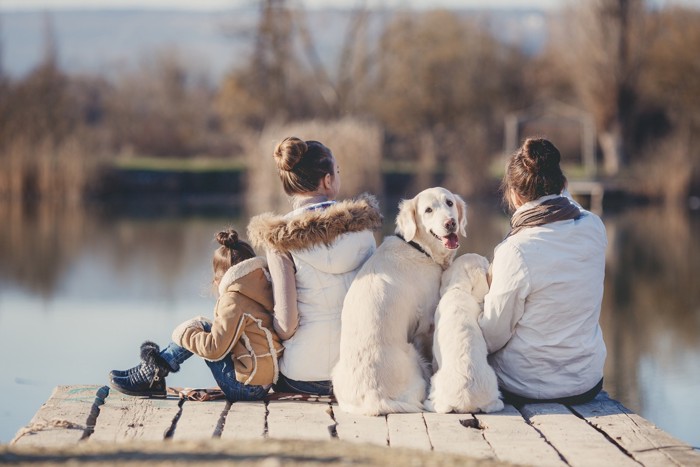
<point>505,303</point>
<point>284,291</point>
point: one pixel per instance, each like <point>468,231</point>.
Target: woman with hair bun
<point>239,346</point>
<point>540,318</point>
<point>314,253</point>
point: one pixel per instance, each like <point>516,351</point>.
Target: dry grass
<point>664,172</point>
<point>47,171</point>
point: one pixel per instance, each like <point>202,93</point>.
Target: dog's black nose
<point>451,225</point>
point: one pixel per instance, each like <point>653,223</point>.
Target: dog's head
<point>433,219</point>
<point>467,272</point>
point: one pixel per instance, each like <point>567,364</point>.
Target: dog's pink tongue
<point>451,241</point>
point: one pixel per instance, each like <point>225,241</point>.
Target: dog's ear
<point>462,214</point>
<point>406,219</point>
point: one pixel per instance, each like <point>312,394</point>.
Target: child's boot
<point>145,379</point>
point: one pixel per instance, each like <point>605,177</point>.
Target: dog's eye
<point>449,202</point>
<point>428,209</point>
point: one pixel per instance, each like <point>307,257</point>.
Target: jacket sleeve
<point>284,290</point>
<point>505,303</point>
<point>225,331</point>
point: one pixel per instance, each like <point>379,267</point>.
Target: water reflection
<point>80,289</point>
<point>651,316</point>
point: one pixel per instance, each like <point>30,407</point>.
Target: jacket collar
<point>240,270</point>
<point>314,227</point>
<point>310,207</point>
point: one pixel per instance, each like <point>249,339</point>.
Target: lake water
<point>80,291</point>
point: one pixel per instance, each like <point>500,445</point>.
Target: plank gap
<point>222,421</point>
<point>171,431</point>
<point>332,429</point>
<point>425,424</point>
<point>660,450</point>
<point>100,396</point>
<point>266,427</point>
<point>519,408</point>
<point>607,436</point>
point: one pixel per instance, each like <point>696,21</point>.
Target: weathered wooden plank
<point>643,440</point>
<point>408,430</point>
<point>360,429</point>
<point>62,420</point>
<point>125,418</point>
<point>576,441</point>
<point>447,433</point>
<point>245,420</point>
<point>514,440</point>
<point>199,420</point>
<point>299,420</point>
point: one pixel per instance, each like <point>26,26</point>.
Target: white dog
<point>389,308</point>
<point>464,381</point>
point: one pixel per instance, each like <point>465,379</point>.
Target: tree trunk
<point>612,146</point>
<point>427,161</point>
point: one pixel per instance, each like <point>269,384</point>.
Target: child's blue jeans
<point>223,371</point>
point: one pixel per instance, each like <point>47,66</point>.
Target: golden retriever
<point>388,311</point>
<point>463,381</point>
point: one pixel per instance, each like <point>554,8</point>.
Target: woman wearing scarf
<point>540,318</point>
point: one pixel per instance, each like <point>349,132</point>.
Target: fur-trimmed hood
<point>237,271</point>
<point>308,229</point>
<point>250,278</point>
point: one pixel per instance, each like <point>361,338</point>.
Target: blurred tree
<point>2,55</point>
<point>39,106</point>
<point>444,84</point>
<point>164,109</point>
<point>47,151</point>
<point>341,89</point>
<point>601,47</point>
<point>674,66</point>
<point>262,89</point>
<point>671,84</point>
<point>285,78</point>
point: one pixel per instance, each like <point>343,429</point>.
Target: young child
<point>239,346</point>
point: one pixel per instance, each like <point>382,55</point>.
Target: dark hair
<point>533,171</point>
<point>302,164</point>
<point>232,251</point>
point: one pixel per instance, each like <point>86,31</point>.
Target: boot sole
<point>150,395</point>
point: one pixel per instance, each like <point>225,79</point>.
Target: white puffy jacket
<point>540,318</point>
<point>324,274</point>
<point>328,247</point>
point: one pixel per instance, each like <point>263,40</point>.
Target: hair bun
<point>227,238</point>
<point>540,155</point>
<point>289,152</point>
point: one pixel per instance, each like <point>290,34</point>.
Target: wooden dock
<point>602,432</point>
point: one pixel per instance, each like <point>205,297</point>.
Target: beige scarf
<point>552,210</point>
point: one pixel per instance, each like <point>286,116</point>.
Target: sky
<point>223,4</point>
<point>219,4</point>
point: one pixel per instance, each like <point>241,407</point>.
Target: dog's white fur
<point>389,308</point>
<point>464,382</point>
